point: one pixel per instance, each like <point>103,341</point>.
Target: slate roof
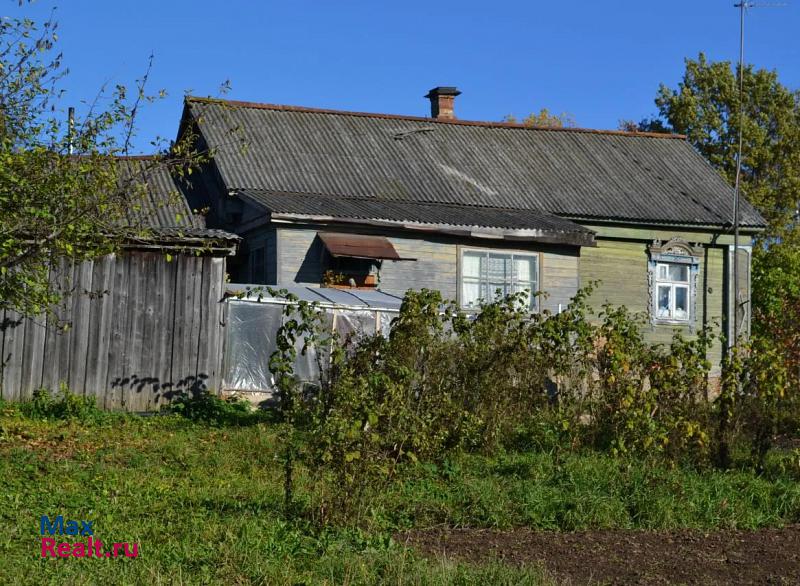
<point>158,203</point>
<point>573,173</point>
<point>402,212</point>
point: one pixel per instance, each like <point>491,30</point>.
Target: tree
<point>705,107</point>
<point>61,190</point>
<point>544,119</point>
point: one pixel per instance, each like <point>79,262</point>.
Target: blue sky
<point>598,61</point>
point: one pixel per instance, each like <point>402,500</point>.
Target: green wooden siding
<point>621,268</point>
<point>650,233</point>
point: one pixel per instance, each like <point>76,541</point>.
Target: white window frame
<point>673,287</point>
<point>483,279</point>
<point>675,251</point>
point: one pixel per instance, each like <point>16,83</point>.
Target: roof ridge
<point>478,123</point>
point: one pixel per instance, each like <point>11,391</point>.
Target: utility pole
<point>742,6</point>
<point>70,130</point>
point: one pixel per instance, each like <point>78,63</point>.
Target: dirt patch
<point>765,556</point>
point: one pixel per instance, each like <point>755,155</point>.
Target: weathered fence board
<point>65,275</point>
<point>132,330</point>
<point>165,312</point>
<point>119,328</point>
<point>33,357</point>
<point>13,343</point>
<point>100,328</point>
<point>81,307</point>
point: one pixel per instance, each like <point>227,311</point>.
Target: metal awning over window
<point>359,246</point>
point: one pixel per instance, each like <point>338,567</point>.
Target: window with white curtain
<point>485,273</point>
<point>673,271</point>
<point>672,292</point>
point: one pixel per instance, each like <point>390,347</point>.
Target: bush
<point>206,407</point>
<point>650,399</point>
<point>63,405</point>
<point>444,382</point>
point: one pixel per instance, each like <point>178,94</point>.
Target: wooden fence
<point>132,330</point>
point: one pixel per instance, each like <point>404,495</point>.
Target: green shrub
<point>444,382</point>
<point>650,400</point>
<point>208,408</point>
<point>63,405</point>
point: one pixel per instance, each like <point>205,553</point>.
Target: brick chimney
<point>442,101</point>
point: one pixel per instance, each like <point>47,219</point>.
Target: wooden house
<point>323,197</point>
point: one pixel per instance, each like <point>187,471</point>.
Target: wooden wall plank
<point>50,363</point>
<point>164,334</point>
<point>131,362</point>
<point>194,317</point>
<point>187,325</point>
<point>115,381</point>
<point>179,325</point>
<point>149,364</point>
<point>13,349</point>
<point>64,338</point>
<point>206,316</point>
<point>213,359</point>
<point>140,352</point>
<point>33,357</point>
<point>81,317</point>
<point>100,326</point>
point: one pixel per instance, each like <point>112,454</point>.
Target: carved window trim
<point>673,251</point>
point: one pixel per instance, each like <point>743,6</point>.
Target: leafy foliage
<point>62,190</point>
<point>444,383</point>
<point>64,405</point>
<point>543,119</point>
<point>206,407</point>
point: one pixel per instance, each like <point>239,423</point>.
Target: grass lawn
<point>204,504</point>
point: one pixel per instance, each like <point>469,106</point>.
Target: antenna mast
<point>70,130</point>
<point>742,6</point>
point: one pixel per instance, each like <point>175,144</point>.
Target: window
<point>673,270</point>
<point>483,273</point>
<point>257,266</point>
<point>672,292</point>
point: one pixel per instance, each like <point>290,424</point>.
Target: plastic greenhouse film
<point>354,324</point>
<point>251,341</point>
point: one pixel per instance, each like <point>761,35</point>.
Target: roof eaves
<point>244,193</point>
<point>661,223</point>
<point>577,238</point>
